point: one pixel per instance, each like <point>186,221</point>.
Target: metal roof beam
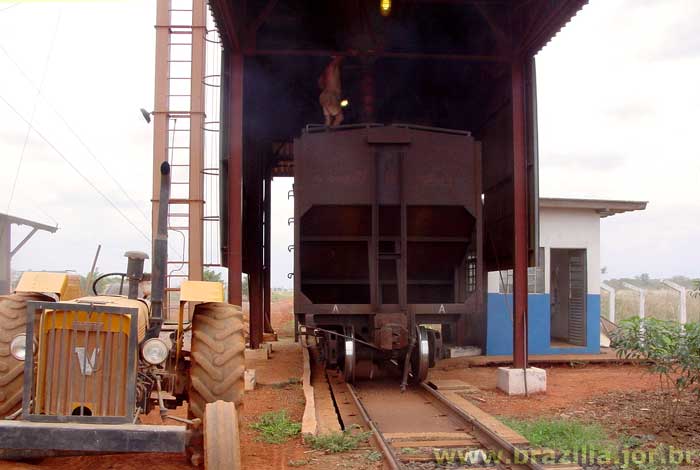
<point>24,240</point>
<point>383,54</point>
<point>227,22</point>
<point>20,221</point>
<point>260,20</point>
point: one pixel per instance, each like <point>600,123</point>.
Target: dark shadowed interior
<point>458,64</point>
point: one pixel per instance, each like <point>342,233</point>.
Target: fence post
<point>682,312</point>
<point>642,297</point>
<point>611,307</point>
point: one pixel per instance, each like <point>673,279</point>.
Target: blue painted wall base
<point>499,327</point>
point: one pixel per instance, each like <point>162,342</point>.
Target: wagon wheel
<point>222,449</point>
<point>420,357</point>
<point>350,348</point>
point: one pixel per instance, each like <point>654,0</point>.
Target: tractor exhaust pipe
<point>134,271</point>
<point>160,254</point>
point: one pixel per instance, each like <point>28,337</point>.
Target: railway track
<point>425,428</point>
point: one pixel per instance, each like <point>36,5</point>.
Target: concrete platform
<point>607,355</point>
<point>450,384</point>
<point>320,415</point>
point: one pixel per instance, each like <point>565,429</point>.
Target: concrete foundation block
<point>249,379</point>
<point>270,337</point>
<point>259,354</point>
<point>512,381</point>
<point>466,351</point>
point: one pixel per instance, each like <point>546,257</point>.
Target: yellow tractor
<point>86,369</point>
<point>43,286</point>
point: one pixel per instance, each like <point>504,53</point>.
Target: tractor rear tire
<point>222,448</point>
<point>13,321</point>
<point>217,366</point>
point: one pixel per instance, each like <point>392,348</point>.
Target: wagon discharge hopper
<point>388,236</point>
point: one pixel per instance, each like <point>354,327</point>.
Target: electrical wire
<point>33,114</point>
<point>8,7</point>
<point>79,139</point>
<point>74,133</point>
<point>75,168</point>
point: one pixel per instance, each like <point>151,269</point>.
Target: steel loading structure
<point>451,64</point>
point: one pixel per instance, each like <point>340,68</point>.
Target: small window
<point>535,278</point>
<point>471,272</point>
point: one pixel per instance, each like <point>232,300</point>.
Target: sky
<point>617,103</point>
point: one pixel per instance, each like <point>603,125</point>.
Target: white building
<point>564,300</point>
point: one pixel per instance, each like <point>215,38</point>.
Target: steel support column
<point>520,196</point>
<point>253,188</point>
<point>234,73</point>
<point>195,244</point>
<point>160,109</point>
<point>267,299</point>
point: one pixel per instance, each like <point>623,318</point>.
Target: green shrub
<point>286,383</point>
<point>670,350</point>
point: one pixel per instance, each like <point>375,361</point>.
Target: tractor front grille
<point>85,363</point>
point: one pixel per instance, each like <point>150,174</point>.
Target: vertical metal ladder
<point>181,34</point>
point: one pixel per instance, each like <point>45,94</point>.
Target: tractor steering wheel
<point>103,276</point>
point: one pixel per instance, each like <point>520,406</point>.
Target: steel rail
<point>481,427</point>
<point>390,456</point>
<point>394,462</point>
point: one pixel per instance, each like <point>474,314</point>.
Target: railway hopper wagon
<point>388,237</point>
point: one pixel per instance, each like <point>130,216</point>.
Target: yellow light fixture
<point>385,7</point>
<point>344,103</point>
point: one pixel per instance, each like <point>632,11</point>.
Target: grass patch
<point>568,436</point>
<point>342,441</point>
<point>561,435</point>
<point>374,456</point>
<point>289,381</point>
<point>275,427</point>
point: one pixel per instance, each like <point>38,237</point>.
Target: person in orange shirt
<point>331,90</point>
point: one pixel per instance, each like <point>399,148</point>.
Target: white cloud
<point>99,73</point>
<point>618,101</point>
<point>618,105</point>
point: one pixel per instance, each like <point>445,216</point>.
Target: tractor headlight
<point>18,347</point>
<point>155,351</point>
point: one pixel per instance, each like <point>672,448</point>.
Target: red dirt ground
<point>274,392</point>
<point>616,395</point>
<point>626,400</point>
<point>566,386</point>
